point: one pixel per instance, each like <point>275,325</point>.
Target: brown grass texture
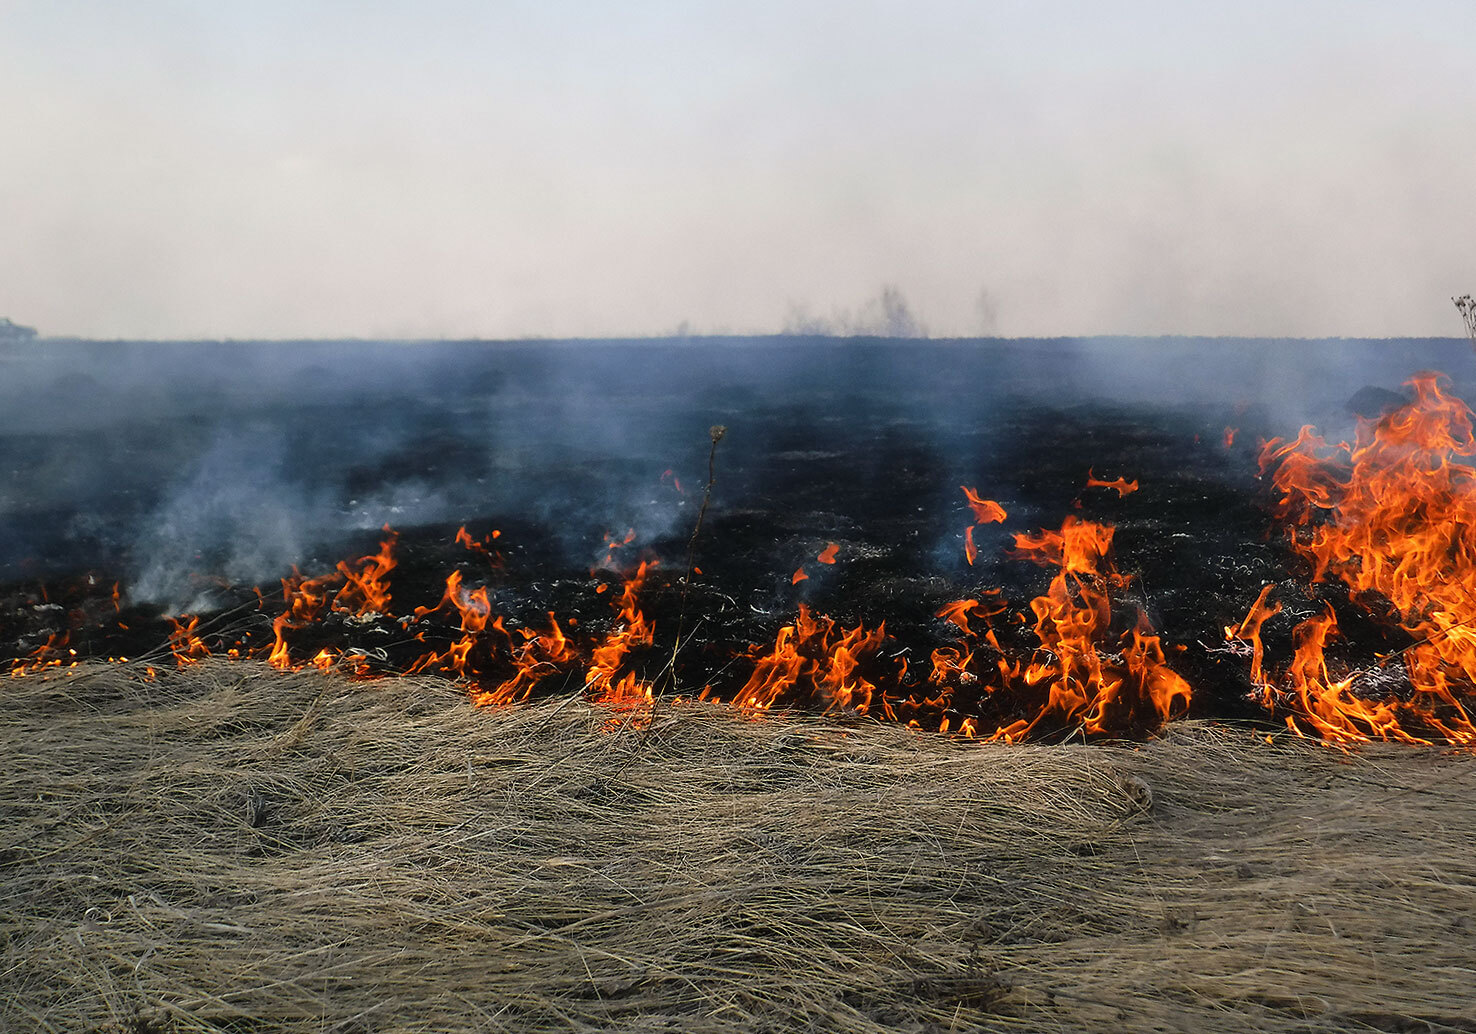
<point>230,849</point>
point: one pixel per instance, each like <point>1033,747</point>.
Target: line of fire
<point>1111,569</point>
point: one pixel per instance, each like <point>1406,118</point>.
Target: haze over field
<point>462,169</point>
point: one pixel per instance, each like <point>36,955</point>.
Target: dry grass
<point>230,849</point>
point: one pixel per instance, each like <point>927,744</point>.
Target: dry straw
<point>230,849</point>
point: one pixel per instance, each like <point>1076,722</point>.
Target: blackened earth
<point>150,465</point>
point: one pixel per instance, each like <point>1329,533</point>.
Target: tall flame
<point>1391,515</point>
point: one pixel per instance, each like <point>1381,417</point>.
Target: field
<point>230,848</point>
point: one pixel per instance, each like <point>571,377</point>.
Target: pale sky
<point>433,169</point>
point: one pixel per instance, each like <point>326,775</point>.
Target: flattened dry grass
<point>232,849</point>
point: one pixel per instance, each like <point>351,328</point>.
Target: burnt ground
<point>189,474</point>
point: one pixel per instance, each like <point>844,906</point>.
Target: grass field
<point>233,849</point>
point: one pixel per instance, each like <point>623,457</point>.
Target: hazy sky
<point>505,169</point>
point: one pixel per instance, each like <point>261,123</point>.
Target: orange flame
<point>810,658</point>
<point>1122,486</point>
<point>1391,515</point>
<point>829,553</point>
<point>986,511</point>
<point>474,607</point>
<point>365,589</point>
<point>46,656</point>
<point>1085,683</point>
<point>539,656</point>
<point>607,658</point>
<point>185,644</point>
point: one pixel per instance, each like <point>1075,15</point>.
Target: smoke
<point>238,517</point>
<point>181,467</point>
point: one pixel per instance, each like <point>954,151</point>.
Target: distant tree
<point>888,314</point>
<point>802,323</point>
<point>1467,308</point>
<point>897,319</point>
<point>987,311</point>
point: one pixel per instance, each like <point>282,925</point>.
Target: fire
<point>1090,676</point>
<point>471,545</point>
<point>607,658</point>
<point>1389,519</point>
<point>47,656</point>
<point>1249,631</point>
<point>810,659</point>
<point>986,511</point>
<point>1392,516</point>
<point>538,656</point>
<point>1122,486</point>
<point>474,610</point>
<point>188,648</point>
<point>306,599</point>
<point>958,611</point>
<point>365,589</point>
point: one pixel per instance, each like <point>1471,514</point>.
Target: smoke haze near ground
<point>183,464</point>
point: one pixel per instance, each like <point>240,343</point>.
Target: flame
<point>1093,669</point>
<point>474,609</point>
<point>185,644</point>
<point>951,663</point>
<point>1122,486</point>
<point>810,658</point>
<point>365,589</point>
<point>1086,683</point>
<point>471,545</point>
<point>799,576</point>
<point>986,511</point>
<point>633,631</point>
<point>1249,631</point>
<point>306,599</point>
<point>1229,437</point>
<point>1391,515</point>
<point>362,591</point>
<point>612,546</point>
<point>539,655</point>
<point>958,611</point>
<point>46,656</point>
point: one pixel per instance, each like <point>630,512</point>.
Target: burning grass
<point>233,848</point>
